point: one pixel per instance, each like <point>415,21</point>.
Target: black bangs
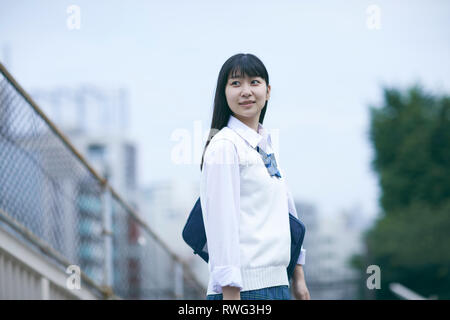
<point>247,64</point>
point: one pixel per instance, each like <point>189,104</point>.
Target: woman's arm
<point>220,196</point>
<point>300,289</point>
<point>231,293</point>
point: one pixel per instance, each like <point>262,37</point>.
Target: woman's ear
<point>268,92</point>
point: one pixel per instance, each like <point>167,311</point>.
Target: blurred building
<point>113,157</point>
<point>86,108</point>
<point>330,242</point>
<point>94,121</point>
<point>167,205</point>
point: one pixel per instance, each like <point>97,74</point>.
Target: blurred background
<point>105,107</point>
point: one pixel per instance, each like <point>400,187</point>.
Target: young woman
<point>245,200</point>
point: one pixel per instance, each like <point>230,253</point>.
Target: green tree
<point>410,241</point>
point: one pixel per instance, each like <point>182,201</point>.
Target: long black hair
<point>238,65</point>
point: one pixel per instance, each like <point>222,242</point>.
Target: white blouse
<point>223,230</point>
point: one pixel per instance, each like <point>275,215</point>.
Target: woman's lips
<point>246,104</point>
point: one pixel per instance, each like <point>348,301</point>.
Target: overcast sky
<point>326,61</point>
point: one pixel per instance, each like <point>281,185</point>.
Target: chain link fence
<point>55,201</point>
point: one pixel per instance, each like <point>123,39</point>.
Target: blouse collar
<point>261,138</point>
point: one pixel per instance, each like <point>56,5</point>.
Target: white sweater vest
<point>264,233</point>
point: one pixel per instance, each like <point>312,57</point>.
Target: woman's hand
<point>299,287</point>
<point>231,293</point>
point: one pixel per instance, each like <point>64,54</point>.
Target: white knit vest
<point>264,233</point>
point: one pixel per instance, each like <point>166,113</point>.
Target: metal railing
<point>25,274</point>
<point>405,293</point>
<point>53,199</point>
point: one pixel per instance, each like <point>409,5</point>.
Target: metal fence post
<point>107,240</point>
<point>45,289</point>
<point>179,286</point>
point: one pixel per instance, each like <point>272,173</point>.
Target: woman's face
<point>246,96</point>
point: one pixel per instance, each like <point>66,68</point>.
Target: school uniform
<point>246,215</point>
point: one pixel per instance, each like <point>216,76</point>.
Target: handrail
<point>44,247</point>
<point>404,293</point>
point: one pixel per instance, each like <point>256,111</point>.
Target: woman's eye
<point>236,83</point>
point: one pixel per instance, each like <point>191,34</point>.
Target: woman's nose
<point>246,91</point>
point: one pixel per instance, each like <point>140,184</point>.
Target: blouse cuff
<point>302,258</point>
<point>226,276</point>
